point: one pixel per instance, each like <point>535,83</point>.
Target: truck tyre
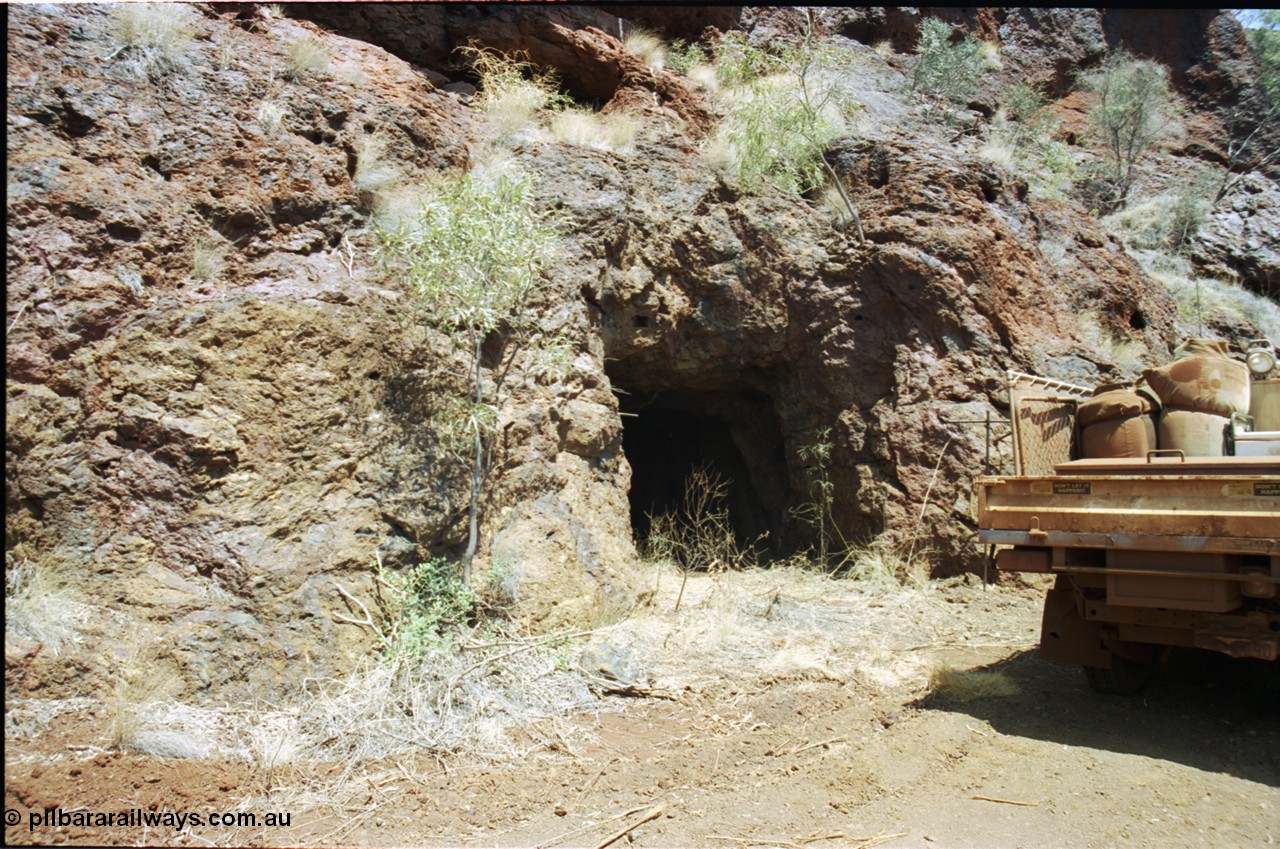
<point>1124,678</point>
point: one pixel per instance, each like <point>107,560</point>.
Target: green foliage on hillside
<point>1135,110</point>
<point>1264,42</point>
<point>947,71</point>
<point>785,108</point>
<point>1022,137</point>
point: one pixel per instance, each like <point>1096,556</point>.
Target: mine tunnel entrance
<point>734,435</point>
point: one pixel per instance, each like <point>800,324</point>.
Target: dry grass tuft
<point>1000,152</point>
<point>831,204</point>
<point>512,91</point>
<point>705,76</point>
<point>616,131</point>
<point>375,173</point>
<point>498,701</point>
<point>1128,354</point>
<point>648,46</point>
<point>883,562</point>
<point>153,38</point>
<point>25,719</point>
<point>142,686</point>
<point>989,51</point>
<point>208,260</point>
<point>304,55</point>
<point>1204,301</point>
<point>39,609</point>
<point>271,115</point>
<point>967,685</point>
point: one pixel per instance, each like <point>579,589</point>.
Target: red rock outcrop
<point>216,448</point>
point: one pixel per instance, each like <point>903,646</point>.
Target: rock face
<point>221,411</point>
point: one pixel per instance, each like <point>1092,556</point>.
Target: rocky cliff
<point>221,409</point>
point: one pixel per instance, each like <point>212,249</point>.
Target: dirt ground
<point>782,709</point>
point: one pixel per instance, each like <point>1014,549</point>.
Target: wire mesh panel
<point>1044,415</point>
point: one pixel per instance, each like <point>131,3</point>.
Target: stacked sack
<point>1198,394</point>
<point>1118,421</point>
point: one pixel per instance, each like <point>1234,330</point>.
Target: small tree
<point>474,252</point>
<point>1134,110</point>
<point>819,511</point>
<point>944,71</point>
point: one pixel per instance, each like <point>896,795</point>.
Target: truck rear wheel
<point>1124,678</point>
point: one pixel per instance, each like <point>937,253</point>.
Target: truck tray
<point>1126,504</point>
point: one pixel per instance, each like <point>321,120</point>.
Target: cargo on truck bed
<point>1152,551</point>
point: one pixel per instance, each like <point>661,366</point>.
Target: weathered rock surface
<point>1241,237</point>
<point>216,449</point>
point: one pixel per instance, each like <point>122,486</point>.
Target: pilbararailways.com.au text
<point>138,818</point>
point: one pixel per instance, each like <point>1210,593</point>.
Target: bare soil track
<point>795,711</point>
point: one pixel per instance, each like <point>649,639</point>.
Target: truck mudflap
<point>1066,636</point>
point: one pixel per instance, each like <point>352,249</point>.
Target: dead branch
<point>762,842</point>
<point>823,743</point>
<point>878,839</point>
<point>1006,801</point>
<point>653,814</point>
<point>551,841</point>
<point>368,618</point>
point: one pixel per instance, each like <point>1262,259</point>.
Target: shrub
<point>1264,43</point>
<point>423,604</point>
<point>698,534</point>
<point>786,105</point>
<point>1134,110</point>
<point>818,512</point>
<point>683,56</point>
<point>1168,221</point>
<point>153,38</point>
<point>512,90</point>
<point>946,72</point>
<point>1022,138</point>
<point>304,54</point>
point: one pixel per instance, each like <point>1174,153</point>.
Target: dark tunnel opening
<point>735,435</point>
